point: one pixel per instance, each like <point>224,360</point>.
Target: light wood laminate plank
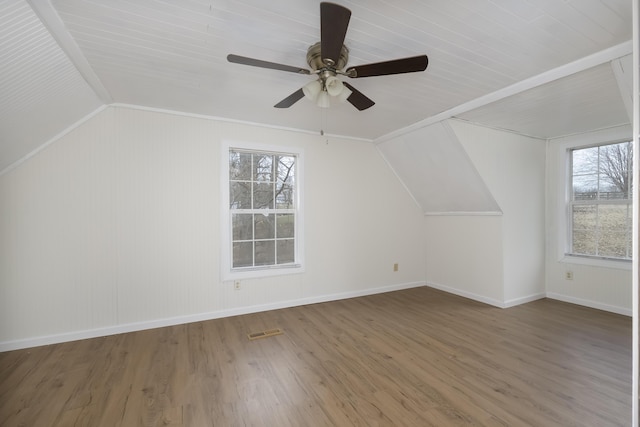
<point>417,357</point>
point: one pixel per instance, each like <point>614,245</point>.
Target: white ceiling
<point>504,63</point>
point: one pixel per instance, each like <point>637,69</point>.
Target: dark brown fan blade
<point>334,20</point>
<point>397,66</point>
<point>357,98</point>
<point>291,99</point>
<point>265,64</point>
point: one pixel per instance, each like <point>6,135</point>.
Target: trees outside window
<point>600,201</point>
<point>262,219</point>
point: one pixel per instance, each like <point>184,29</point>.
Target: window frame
<point>228,272</point>
<point>564,192</point>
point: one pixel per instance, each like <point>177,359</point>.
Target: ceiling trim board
<point>52,140</point>
<point>611,134</point>
<point>577,66</point>
<point>497,128</point>
<point>237,121</point>
<point>51,20</point>
<point>172,112</point>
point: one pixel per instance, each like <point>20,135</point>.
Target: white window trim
<point>226,270</point>
<point>613,135</point>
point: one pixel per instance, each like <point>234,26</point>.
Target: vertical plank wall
<point>116,227</point>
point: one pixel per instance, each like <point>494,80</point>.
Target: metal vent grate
<point>264,334</point>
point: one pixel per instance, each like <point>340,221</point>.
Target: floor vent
<point>264,334</point>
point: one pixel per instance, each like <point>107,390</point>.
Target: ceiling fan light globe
<point>323,100</point>
<point>334,85</point>
<point>312,89</point>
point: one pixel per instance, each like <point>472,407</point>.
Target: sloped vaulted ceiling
<point>562,106</point>
<point>42,91</point>
<point>61,60</point>
<point>436,170</point>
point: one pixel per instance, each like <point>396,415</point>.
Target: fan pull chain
<point>323,123</point>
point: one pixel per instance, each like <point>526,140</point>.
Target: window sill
<point>619,264</point>
<point>258,272</point>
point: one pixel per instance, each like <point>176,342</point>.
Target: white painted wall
<point>464,256</point>
<point>513,168</point>
<point>603,285</point>
<point>494,259</point>
<point>115,227</point>
<point>483,193</point>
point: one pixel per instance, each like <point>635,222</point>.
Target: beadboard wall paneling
<point>116,225</point>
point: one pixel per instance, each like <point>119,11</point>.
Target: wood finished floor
<point>417,357</point>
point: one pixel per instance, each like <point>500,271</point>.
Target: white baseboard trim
<point>523,300</point>
<point>179,320</point>
<point>591,304</point>
<point>466,294</point>
<point>491,301</point>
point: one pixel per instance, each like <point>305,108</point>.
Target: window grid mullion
<point>627,233</point>
<point>597,236</point>
<point>606,198</point>
<point>253,215</point>
<point>275,224</point>
<point>597,231</point>
<point>259,163</point>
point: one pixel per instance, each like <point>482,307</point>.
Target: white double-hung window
<point>262,211</point>
<point>599,205</point>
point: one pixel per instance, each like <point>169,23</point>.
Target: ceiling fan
<point>327,60</point>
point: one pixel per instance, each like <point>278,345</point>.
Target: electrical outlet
<point>568,275</point>
<point>236,285</point>
<point>395,267</point>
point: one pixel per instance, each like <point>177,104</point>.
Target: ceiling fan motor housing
<point>314,59</point>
